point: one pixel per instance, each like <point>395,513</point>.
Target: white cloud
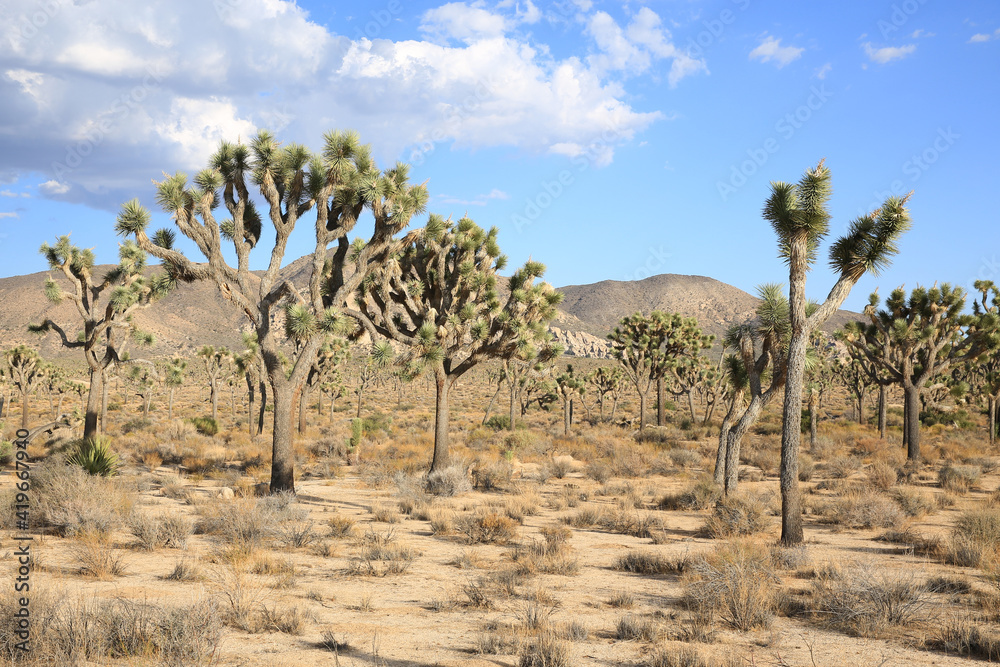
<point>478,200</point>
<point>54,188</point>
<point>106,95</point>
<point>8,193</point>
<point>634,48</point>
<point>771,50</point>
<point>887,54</point>
<point>457,20</point>
<point>979,38</point>
<point>823,71</point>
<point>11,214</point>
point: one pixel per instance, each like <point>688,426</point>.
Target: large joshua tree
<point>988,368</point>
<point>26,370</point>
<point>799,216</point>
<point>438,295</point>
<point>636,343</point>
<point>105,306</point>
<point>338,184</point>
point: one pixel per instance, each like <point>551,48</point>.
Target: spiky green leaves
<point>872,240</point>
<point>799,212</point>
<point>132,219</point>
<point>300,322</point>
<point>53,292</point>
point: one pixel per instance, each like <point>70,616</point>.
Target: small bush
<point>975,537</point>
<point>739,581</point>
<point>843,467</point>
<point>205,425</point>
<point>869,602</point>
<point>498,422</point>
<point>881,476</point>
<point>737,515</point>
<point>914,504</point>
<point>487,527</point>
<point>493,476</point>
<point>73,502</point>
<point>866,509</point>
<point>631,627</point>
<point>704,494</point>
<point>448,482</point>
<point>546,650</point>
<point>965,636</point>
<point>646,562</point>
<point>959,478</point>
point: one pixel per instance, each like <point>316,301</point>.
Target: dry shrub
<point>737,515</point>
<point>380,555</point>
<point>487,527</point>
<point>71,501</point>
<point>648,562</point>
<point>492,476</point>
<point>340,526</point>
<point>975,537</point>
<point>69,631</point>
<point>702,495</point>
<point>959,478</point>
<point>631,627</point>
<point>738,581</point>
<point>451,481</point>
<point>866,509</point>
<point>842,467</point>
<point>97,558</point>
<point>546,650</point>
<point>969,637</point>
<point>165,531</point>
<point>248,522</point>
<point>870,601</point>
<point>913,503</point>
<point>881,476</point>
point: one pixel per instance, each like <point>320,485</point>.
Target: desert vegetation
<point>412,526</point>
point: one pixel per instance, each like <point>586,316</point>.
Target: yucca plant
<point>95,456</point>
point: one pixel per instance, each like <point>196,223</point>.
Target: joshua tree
<point>373,370</point>
<point>251,365</point>
<point>799,216</point>
<point>607,381</point>
<point>437,295</point>
<point>913,339</point>
<point>636,343</point>
<point>106,308</point>
<point>691,372</point>
<point>173,377</point>
<point>339,184</point>
<point>569,385</point>
<point>330,355</point>
<point>215,361</point>
<point>988,368</point>
<point>26,371</point>
<point>524,376</point>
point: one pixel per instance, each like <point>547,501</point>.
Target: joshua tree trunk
<point>992,419</point>
<point>104,403</point>
<point>442,385</point>
<point>489,408</point>
<point>513,402</point>
<point>736,434</point>
<point>694,417</point>
<point>282,455</point>
<point>360,396</point>
<point>263,408</point>
<point>97,390</point>
<point>566,416</point>
<point>911,418</point>
<point>883,417</point>
<point>303,405</point>
<point>319,403</point>
<point>861,408</point>
<point>720,456</point>
<point>170,404</point>
<point>215,399</point>
<point>660,403</point>
<point>642,410</point>
<point>614,409</point>
<point>25,409</point>
<point>813,406</point>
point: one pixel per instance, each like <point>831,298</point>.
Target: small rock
<point>225,493</point>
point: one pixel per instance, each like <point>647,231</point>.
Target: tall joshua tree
<point>636,343</point>
<point>338,184</point>
<point>215,361</point>
<point>437,294</point>
<point>988,368</point>
<point>105,306</point>
<point>607,381</point>
<point>173,377</point>
<point>568,385</point>
<point>799,216</point>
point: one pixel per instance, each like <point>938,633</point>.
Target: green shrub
<point>6,452</point>
<point>499,423</point>
<point>95,456</point>
<point>374,423</point>
<point>205,425</point>
<point>357,432</point>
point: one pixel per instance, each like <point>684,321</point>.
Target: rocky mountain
<point>196,314</point>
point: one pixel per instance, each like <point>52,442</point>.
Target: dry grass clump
<point>545,650</point>
<point>881,476</point>
<point>865,508</point>
<point>914,504</point>
<point>551,555</point>
<point>632,627</point>
<point>736,581</point>
<point>248,523</point>
<point>380,555</point>
<point>154,533</point>
<point>870,601</point>
<point>959,478</point>
<point>487,527</point>
<point>842,467</point>
<point>647,562</point>
<point>702,495</point>
<point>451,481</point>
<point>682,655</point>
<point>968,636</point>
<point>340,526</point>
<point>738,515</point>
<point>186,570</point>
<point>71,501</point>
<point>384,513</point>
<point>68,631</point>
<point>96,556</point>
<point>975,537</point>
<point>493,475</point>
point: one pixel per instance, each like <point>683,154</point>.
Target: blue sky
<point>609,140</point>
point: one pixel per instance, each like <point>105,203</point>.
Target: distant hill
<point>196,314</point>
